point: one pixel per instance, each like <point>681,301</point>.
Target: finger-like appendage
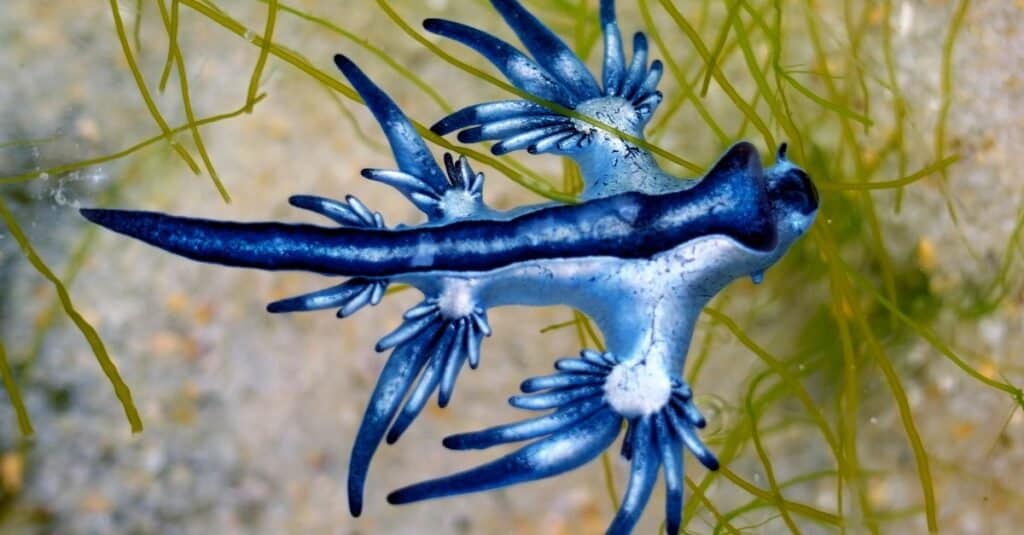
<point>406,330</point>
<point>396,378</point>
<point>559,380</point>
<point>473,349</point>
<point>480,323</point>
<point>693,415</point>
<point>643,474</point>
<point>528,429</point>
<point>427,384</point>
<point>688,436</point>
<point>510,127</point>
<point>333,297</point>
<point>410,151</point>
<point>527,139</point>
<point>358,301</point>
<point>672,460</point>
<point>352,213</point>
<point>462,176</point>
<point>544,458</point>
<point>548,49</point>
<point>637,68</point>
<point>650,84</point>
<point>581,366</point>
<point>522,71</point>
<point>604,359</point>
<point>614,59</point>
<point>486,113</point>
<point>421,193</point>
<point>573,143</point>
<point>563,142</point>
<point>453,362</point>
<point>550,400</point>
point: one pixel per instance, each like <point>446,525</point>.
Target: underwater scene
<point>511,266</point>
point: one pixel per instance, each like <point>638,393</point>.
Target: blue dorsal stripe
<point>730,201</point>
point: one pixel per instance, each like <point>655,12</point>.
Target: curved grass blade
<point>121,389</point>
<point>261,61</point>
<point>14,394</point>
<point>140,82</point>
<point>186,101</point>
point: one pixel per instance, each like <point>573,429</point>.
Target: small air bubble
<point>249,36</point>
<point>829,221</point>
<point>44,176</point>
<point>873,420</point>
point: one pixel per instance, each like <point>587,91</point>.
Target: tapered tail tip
<point>116,220</point>
<point>346,65</point>
<point>92,214</point>
<point>401,497</point>
<point>432,25</point>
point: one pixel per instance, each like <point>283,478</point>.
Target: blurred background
<point>868,386</point>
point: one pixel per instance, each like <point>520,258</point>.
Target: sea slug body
<point>640,240</point>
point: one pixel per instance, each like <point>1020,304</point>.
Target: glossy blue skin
<point>641,255</point>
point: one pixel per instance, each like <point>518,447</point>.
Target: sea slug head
<point>793,198</point>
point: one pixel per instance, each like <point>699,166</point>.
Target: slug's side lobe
<point>558,81</point>
<point>584,424</point>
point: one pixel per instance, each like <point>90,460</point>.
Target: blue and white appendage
<point>561,91</point>
<point>438,336</point>
<point>430,348</point>
<point>591,398</point>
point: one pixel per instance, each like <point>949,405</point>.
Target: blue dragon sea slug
<point>641,254</point>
